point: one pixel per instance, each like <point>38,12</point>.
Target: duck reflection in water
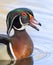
<point>26,61</point>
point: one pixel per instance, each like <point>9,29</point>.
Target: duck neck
<point>19,33</point>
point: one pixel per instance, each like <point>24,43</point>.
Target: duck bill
<point>33,23</point>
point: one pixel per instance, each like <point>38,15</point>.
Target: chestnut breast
<point>22,44</point>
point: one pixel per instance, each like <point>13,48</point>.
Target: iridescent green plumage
<point>12,14</point>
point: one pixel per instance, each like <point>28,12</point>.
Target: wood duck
<point>19,45</point>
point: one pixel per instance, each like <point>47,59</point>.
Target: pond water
<point>43,40</point>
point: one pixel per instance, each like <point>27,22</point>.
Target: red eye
<point>24,14</point>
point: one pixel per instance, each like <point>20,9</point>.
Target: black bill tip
<point>37,29</point>
<point>39,24</point>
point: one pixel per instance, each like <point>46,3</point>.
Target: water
<point>43,40</point>
<point>27,61</point>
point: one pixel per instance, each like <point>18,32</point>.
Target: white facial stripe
<point>14,18</point>
<point>11,24</point>
<point>23,25</point>
<point>22,28</point>
<point>21,21</point>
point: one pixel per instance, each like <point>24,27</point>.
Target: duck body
<point>22,46</point>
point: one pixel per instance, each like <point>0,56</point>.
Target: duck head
<point>19,18</point>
